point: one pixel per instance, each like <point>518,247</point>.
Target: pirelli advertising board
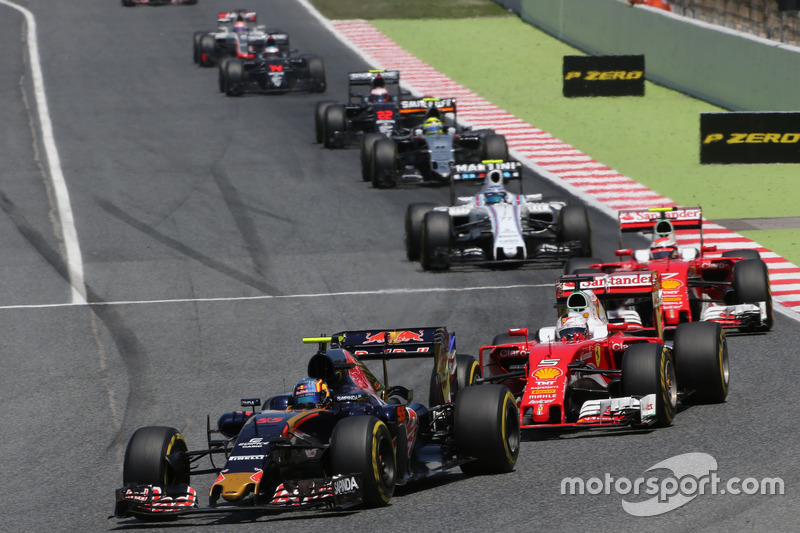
<point>750,137</point>
<point>603,75</point>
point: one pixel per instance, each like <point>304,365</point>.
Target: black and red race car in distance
<point>132,3</point>
<point>698,282</point>
<point>593,371</point>
<point>352,448</point>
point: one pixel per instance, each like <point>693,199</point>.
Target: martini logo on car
<point>749,137</point>
<point>621,75</point>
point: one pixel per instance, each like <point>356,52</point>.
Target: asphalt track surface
<point>214,235</point>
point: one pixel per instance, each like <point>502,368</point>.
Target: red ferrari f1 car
<point>343,437</point>
<point>730,288</point>
<point>596,369</point>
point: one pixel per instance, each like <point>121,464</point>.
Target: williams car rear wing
<point>509,170</point>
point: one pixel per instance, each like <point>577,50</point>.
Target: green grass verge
<point>654,139</point>
<point>409,9</point>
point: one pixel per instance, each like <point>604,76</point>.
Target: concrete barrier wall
<point>730,69</point>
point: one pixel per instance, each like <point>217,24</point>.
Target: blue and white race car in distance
<point>495,226</point>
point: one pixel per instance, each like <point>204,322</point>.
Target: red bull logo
<point>395,337</point>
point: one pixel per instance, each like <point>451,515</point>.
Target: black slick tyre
<point>316,73</point>
<point>648,368</point>
<point>383,172</point>
<point>156,456</point>
<point>436,241</point>
<point>467,370</point>
<point>486,424</point>
<point>319,119</point>
<point>751,286</point>
<point>414,216</point>
<point>575,226</point>
<point>363,444</point>
<point>367,146</point>
<point>233,76</point>
<point>206,45</point>
<point>333,123</point>
<point>495,147</point>
<point>701,361</point>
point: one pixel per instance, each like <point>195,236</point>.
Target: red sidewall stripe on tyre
<point>553,159</point>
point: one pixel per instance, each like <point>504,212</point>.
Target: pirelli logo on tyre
<point>603,76</point>
<point>750,137</point>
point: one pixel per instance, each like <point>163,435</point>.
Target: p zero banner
<point>747,137</point>
<point>603,75</point>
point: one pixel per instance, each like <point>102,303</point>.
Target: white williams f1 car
<point>495,226</point>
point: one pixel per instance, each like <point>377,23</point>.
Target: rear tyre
<point>486,424</point>
<point>363,444</point>
<point>414,215</point>
<point>744,254</point>
<point>467,370</point>
<point>334,122</point>
<point>751,286</point>
<point>156,455</point>
<point>436,241</point>
<point>319,119</point>
<point>575,226</point>
<point>207,45</point>
<point>316,72</point>
<point>649,369</point>
<point>701,360</point>
<point>495,147</point>
<point>383,171</point>
<point>581,265</point>
<point>368,141</point>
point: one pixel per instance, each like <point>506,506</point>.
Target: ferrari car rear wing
<point>631,220</point>
<point>617,285</point>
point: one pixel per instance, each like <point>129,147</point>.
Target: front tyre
<point>368,141</point>
<point>383,172</point>
<point>751,286</point>
<point>486,424</point>
<point>436,241</point>
<point>316,73</point>
<point>333,123</point>
<point>319,119</point>
<point>363,445</point>
<point>701,360</point>
<point>156,455</point>
<point>648,368</point>
<point>414,216</point>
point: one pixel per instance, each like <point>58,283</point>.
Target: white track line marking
<point>69,234</point>
<point>381,292</point>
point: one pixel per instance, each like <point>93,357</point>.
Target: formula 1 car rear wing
<point>660,220</point>
<point>384,345</point>
<point>390,79</point>
<point>236,16</point>
<point>488,172</point>
<point>617,286</point>
<point>431,106</point>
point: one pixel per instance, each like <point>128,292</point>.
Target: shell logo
<point>547,373</point>
<point>671,283</point>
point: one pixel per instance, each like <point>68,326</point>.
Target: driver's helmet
<point>379,94</point>
<point>494,194</point>
<point>663,248</point>
<point>272,51</point>
<point>432,125</point>
<point>573,327</point>
<point>310,393</point>
<point>240,26</point>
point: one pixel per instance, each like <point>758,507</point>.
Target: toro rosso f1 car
<point>425,154</point>
<point>731,288</point>
<point>494,226</point>
<point>361,440</point>
<point>593,369</point>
